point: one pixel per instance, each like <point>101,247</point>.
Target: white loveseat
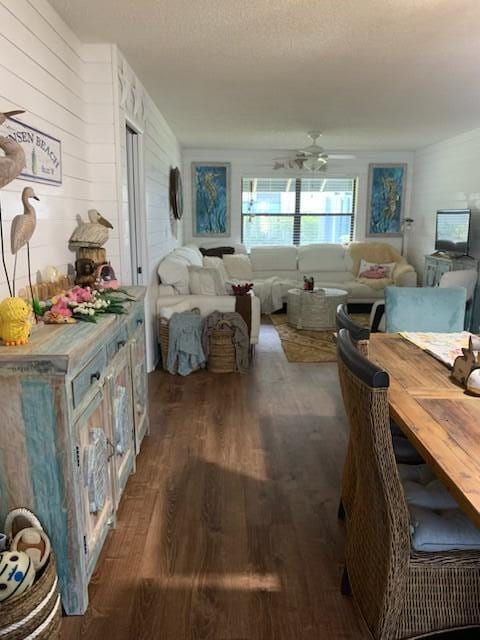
<point>174,290</point>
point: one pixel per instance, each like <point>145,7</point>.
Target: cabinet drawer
<point>88,376</point>
<point>118,341</point>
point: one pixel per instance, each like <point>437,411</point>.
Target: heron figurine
<point>93,233</point>
<point>11,165</point>
<point>22,230</point>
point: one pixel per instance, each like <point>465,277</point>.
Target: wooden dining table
<point>436,414</point>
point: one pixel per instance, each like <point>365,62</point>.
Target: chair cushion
<point>422,488</point>
<point>238,267</point>
<point>424,309</point>
<point>444,530</point>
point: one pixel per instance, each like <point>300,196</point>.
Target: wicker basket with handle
<point>35,614</point>
<point>222,355</point>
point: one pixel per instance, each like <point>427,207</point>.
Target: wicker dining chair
<point>405,452</point>
<point>401,593</point>
<point>358,334</point>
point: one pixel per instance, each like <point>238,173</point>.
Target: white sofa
<point>174,289</point>
<point>331,265</point>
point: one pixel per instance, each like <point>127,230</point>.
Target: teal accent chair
<point>425,309</point>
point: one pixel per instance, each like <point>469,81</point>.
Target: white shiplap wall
<point>159,151</point>
<point>447,176</point>
<point>66,89</point>
<point>255,163</point>
<point>71,90</point>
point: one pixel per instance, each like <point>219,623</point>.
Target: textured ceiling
<point>372,74</point>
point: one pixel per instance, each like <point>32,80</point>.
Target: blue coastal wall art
<point>211,199</point>
<point>386,199</point>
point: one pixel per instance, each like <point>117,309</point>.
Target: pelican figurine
<point>93,233</point>
<point>13,162</point>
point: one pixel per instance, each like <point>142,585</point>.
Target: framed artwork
<point>211,199</point>
<point>386,199</point>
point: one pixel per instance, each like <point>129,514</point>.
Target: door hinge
<point>139,270</point>
<point>85,548</point>
<point>77,455</point>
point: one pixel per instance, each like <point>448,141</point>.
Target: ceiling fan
<point>311,158</point>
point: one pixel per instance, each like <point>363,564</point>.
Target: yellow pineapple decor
<point>15,322</point>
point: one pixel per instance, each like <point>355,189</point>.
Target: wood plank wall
<point>70,90</point>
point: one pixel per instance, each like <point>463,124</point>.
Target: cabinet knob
<point>139,322</point>
<point>95,376</point>
<point>121,343</point>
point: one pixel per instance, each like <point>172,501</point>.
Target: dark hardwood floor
<point>228,530</point>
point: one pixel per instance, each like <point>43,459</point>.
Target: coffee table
<point>314,310</point>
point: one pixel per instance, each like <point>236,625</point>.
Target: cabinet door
<point>120,387</point>
<point>139,385</point>
<point>95,451</point>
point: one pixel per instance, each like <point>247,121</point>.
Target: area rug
<point>309,346</point>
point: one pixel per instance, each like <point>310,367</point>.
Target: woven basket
<point>163,334</point>
<point>37,612</point>
<point>222,356</point>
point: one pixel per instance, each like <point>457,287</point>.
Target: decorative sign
<point>43,153</point>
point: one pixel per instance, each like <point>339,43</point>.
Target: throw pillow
<point>238,267</point>
<point>205,281</point>
<point>376,271</point>
<point>216,263</point>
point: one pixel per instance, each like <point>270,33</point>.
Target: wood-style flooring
<point>228,529</point>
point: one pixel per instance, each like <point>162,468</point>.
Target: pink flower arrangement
<point>80,294</point>
<point>60,307</point>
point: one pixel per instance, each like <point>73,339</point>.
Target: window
<point>297,210</point>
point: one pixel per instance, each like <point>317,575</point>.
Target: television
<point>453,231</point>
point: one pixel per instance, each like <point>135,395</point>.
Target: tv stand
<point>439,263</point>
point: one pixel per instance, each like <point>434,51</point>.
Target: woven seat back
<point>378,539</point>
<point>359,335</point>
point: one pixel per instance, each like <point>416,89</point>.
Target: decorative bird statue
<point>93,233</point>
<point>22,230</point>
<point>13,162</point>
<point>11,165</point>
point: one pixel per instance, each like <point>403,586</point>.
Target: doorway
<point>133,180</point>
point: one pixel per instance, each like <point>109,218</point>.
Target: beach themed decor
<point>22,230</point>
<point>42,152</point>
<point>466,368</point>
<point>93,233</point>
<point>15,322</point>
<point>12,164</point>
<point>386,199</point>
<point>17,574</point>
<point>211,199</point>
<point>35,543</point>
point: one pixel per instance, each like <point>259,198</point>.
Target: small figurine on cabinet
<point>308,283</point>
<point>85,269</point>
<point>105,276</point>
<point>15,322</point>
<point>466,364</point>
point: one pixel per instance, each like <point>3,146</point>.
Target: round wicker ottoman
<point>314,310</point>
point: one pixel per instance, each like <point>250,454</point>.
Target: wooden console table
<point>74,413</point>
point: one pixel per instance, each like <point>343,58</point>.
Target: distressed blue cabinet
<point>74,412</point>
<point>436,266</point>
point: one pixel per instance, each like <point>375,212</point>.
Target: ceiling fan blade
<point>341,156</point>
